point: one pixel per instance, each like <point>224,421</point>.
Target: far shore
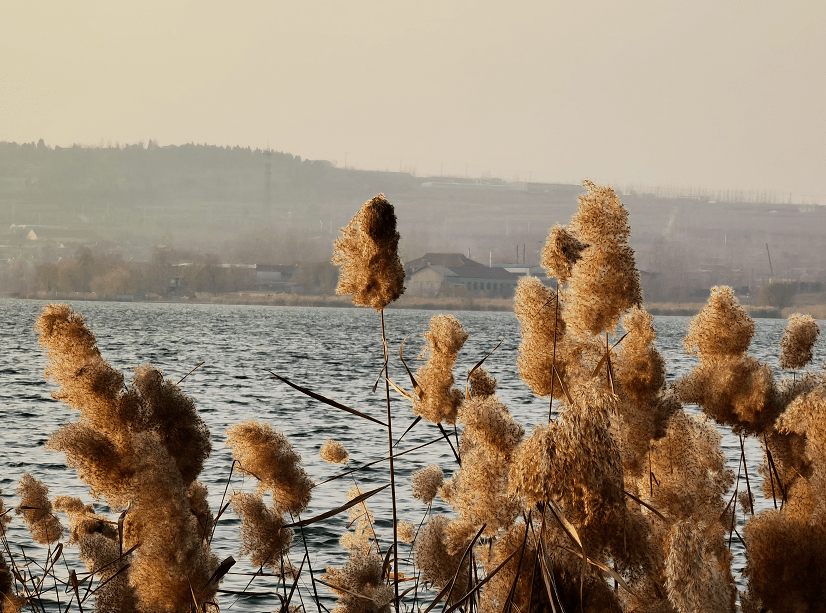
<point>435,303</point>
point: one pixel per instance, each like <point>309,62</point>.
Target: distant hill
<point>253,206</point>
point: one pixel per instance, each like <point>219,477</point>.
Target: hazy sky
<point>704,93</point>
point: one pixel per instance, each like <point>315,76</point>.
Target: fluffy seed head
<point>540,323</point>
<point>359,584</point>
<point>267,455</point>
<point>490,424</point>
<point>721,329</point>
<point>36,509</point>
<point>426,483</point>
<point>698,575</point>
<point>367,253</point>
<point>406,531</point>
<point>263,536</point>
<point>562,250</point>
<point>438,399</point>
<point>437,565</point>
<point>82,519</point>
<point>334,452</point>
<point>797,344</point>
<point>605,281</point>
<point>482,383</point>
<point>640,367</point>
<point>737,391</point>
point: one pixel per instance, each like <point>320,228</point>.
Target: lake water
<point>335,352</point>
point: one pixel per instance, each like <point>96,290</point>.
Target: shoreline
<point>471,303</point>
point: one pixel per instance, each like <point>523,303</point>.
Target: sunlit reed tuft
<point>426,483</point>
<point>334,452</point>
<point>436,564</point>
<point>263,536</point>
<point>540,326</point>
<point>367,253</point>
<point>36,509</point>
<point>721,329</point>
<point>438,400</point>
<point>407,532</point>
<point>482,383</point>
<point>604,282</point>
<point>562,250</point>
<point>267,455</point>
<point>797,344</point>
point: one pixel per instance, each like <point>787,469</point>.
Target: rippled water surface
<point>335,352</point>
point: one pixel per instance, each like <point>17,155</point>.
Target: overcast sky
<point>703,93</point>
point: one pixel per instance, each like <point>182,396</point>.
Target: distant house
<point>435,272</point>
<point>438,259</point>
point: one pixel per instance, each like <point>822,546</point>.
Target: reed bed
<point>619,500</point>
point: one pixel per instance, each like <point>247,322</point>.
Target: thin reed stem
<point>309,566</point>
<point>734,504</point>
<point>553,356</point>
<point>221,507</point>
<point>392,472</point>
<point>746,472</point>
<point>771,476</point>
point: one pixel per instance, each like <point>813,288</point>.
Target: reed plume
<point>575,461</point>
<point>604,282</point>
<point>646,405</point>
<point>263,536</point>
<point>362,536</point>
<point>687,481</point>
<point>797,344</point>
<point>437,565</point>
<point>407,532</point>
<point>5,516</point>
<point>561,252</point>
<point>367,253</point>
<point>478,490</point>
<point>266,454</point>
<point>640,366</point>
<point>541,327</point>
<point>736,391</point>
<point>372,272</point>
<point>785,546</point>
<point>426,483</point>
<point>102,556</point>
<point>11,602</point>
<point>489,424</point>
<point>83,520</point>
<point>721,329</point>
<point>360,584</point>
<point>481,383</point>
<point>173,560</point>
<point>36,509</point>
<point>438,400</point>
<point>698,575</point>
<point>519,569</point>
<point>730,386</point>
<point>334,452</point>
<point>141,445</point>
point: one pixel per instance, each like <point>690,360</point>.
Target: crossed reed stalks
<point>619,501</point>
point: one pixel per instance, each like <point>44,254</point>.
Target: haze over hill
<point>243,206</point>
